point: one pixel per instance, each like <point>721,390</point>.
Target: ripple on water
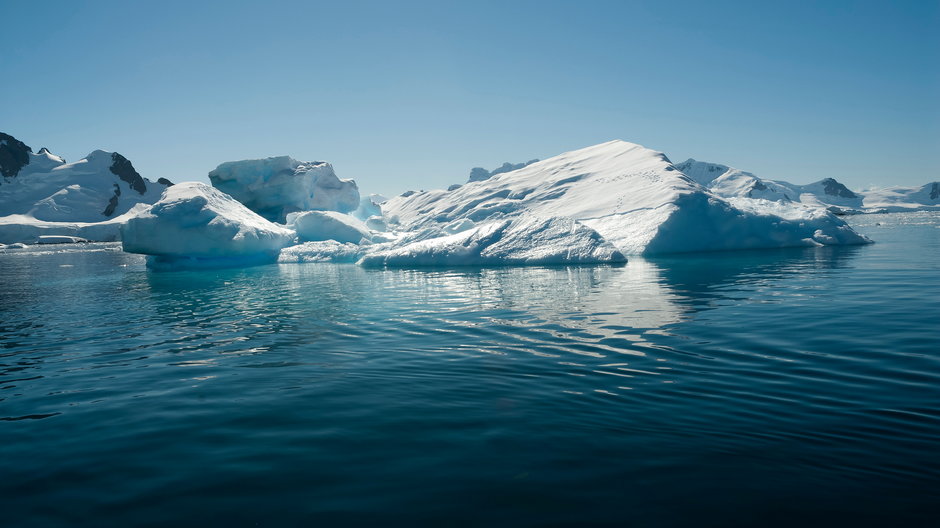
<point>780,385</point>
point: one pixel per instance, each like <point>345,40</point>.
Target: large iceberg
<point>276,187</point>
<point>42,195</point>
<point>196,225</point>
<point>633,197</point>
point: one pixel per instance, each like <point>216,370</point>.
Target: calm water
<point>751,388</point>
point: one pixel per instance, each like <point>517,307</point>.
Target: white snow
<point>313,226</point>
<point>59,239</point>
<point>901,199</point>
<point>195,224</point>
<point>828,193</point>
<point>275,187</point>
<point>518,241</point>
<point>50,197</point>
<point>631,196</point>
<point>376,223</point>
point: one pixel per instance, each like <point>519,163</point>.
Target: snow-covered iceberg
<point>633,197</point>
<point>275,187</point>
<point>196,225</point>
<point>523,240</point>
<point>42,195</point>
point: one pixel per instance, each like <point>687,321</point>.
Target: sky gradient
<point>411,95</point>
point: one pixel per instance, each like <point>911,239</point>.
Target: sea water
<point>737,388</point>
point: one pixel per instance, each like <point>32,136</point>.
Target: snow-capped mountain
<point>901,199</point>
<point>828,193</point>
<point>276,187</point>
<point>40,193</point>
<point>632,196</point>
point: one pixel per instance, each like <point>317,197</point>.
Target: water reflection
<point>702,280</point>
<point>622,302</point>
<point>121,314</point>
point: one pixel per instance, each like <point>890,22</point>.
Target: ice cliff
<point>276,187</point>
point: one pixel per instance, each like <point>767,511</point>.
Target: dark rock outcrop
<point>124,170</point>
<point>164,181</point>
<point>113,202</point>
<point>834,188</point>
<point>14,155</point>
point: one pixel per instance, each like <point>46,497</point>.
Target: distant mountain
<point>729,182</point>
<point>39,191</point>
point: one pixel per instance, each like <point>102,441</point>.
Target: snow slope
<point>195,224</point>
<point>42,194</point>
<point>901,199</point>
<point>523,240</point>
<point>275,187</point>
<point>631,196</point>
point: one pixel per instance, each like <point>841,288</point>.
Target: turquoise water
<point>744,388</point>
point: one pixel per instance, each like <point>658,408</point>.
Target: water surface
<point>740,388</point>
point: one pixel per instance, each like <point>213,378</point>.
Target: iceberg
<point>524,240</point>
<point>631,196</point>
<point>314,226</point>
<point>42,195</point>
<point>275,187</point>
<point>196,225</point>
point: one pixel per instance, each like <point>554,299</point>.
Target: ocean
<point>749,388</point>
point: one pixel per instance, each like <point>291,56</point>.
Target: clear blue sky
<point>402,95</point>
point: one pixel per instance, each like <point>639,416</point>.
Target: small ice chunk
<point>59,239</point>
<point>322,251</point>
<point>313,226</point>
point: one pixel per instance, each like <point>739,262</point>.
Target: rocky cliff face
<point>14,155</point>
